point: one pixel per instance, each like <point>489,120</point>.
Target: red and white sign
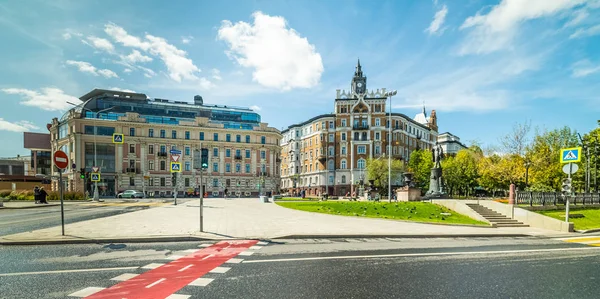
<point>95,168</point>
<point>175,158</point>
<point>61,160</point>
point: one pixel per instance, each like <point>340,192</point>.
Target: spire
<point>358,72</point>
<point>424,112</point>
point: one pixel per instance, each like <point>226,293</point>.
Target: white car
<point>130,194</point>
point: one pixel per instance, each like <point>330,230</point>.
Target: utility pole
<point>596,164</point>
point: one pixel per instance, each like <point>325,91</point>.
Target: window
<point>187,182</point>
<point>132,148</point>
<point>263,139</point>
<point>187,150</point>
<point>247,138</point>
<point>331,124</point>
<point>131,181</point>
<point>163,165</point>
<point>330,151</point>
<point>150,132</point>
<point>343,179</point>
<point>228,137</point>
<point>330,165</point>
<point>216,137</point>
<point>343,164</point>
<point>238,138</point>
<point>216,152</point>
<point>361,149</point>
<point>247,154</point>
<point>331,179</point>
<point>188,166</point>
<point>174,134</point>
<point>150,165</point>
<point>247,168</point>
<point>343,122</point>
<point>228,153</point>
<point>377,150</point>
<point>151,149</point>
<point>238,167</point>
<point>263,168</point>
<point>343,136</point>
<point>187,135</point>
<point>227,167</point>
<point>131,131</point>
<point>238,153</point>
<point>331,138</point>
<point>162,182</point>
<point>150,182</point>
<point>376,135</point>
<point>162,134</point>
<point>361,164</point>
<point>215,167</point>
<point>343,150</point>
<point>163,149</point>
<point>201,137</point>
<point>377,122</point>
<point>263,155</point>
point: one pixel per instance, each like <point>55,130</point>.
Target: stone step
<point>511,225</point>
<point>504,221</point>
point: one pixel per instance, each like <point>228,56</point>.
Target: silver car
<point>131,194</point>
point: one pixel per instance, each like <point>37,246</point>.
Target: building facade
<point>243,151</point>
<point>328,153</point>
<point>39,145</point>
<point>450,143</point>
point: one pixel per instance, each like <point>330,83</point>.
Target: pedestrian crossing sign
<point>175,167</point>
<point>118,138</point>
<point>568,155</point>
<point>95,177</point>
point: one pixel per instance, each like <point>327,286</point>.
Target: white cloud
<point>186,39</point>
<point>66,36</point>
<point>121,89</point>
<point>49,98</point>
<point>69,33</point>
<point>280,57</point>
<point>86,67</point>
<point>205,84</point>
<point>136,57</point>
<point>495,30</point>
<point>127,70</point>
<point>255,108</point>
<point>22,126</point>
<point>216,74</point>
<point>578,17</point>
<point>584,68</point>
<point>179,66</point>
<point>586,32</point>
<point>100,43</point>
<point>438,20</point>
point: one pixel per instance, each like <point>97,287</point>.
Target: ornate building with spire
<point>328,153</point>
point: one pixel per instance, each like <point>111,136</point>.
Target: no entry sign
<point>61,160</point>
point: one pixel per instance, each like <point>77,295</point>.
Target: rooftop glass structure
<point>161,111</point>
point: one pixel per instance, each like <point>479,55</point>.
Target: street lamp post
<point>527,164</point>
<point>96,194</point>
<point>389,152</point>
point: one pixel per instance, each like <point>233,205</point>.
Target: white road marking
<point>152,266</point>
<point>246,253</point>
<point>86,292</point>
<point>419,254</point>
<point>255,247</point>
<point>174,257</point>
<point>178,296</point>
<point>201,282</point>
<point>191,250</point>
<point>219,270</point>
<point>588,242</point>
<point>206,257</point>
<point>205,245</point>
<point>262,243</point>
<point>185,268</point>
<point>124,276</point>
<point>67,271</point>
<point>234,261</point>
<point>155,283</point>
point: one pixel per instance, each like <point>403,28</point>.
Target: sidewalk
<point>247,218</point>
<point>32,204</point>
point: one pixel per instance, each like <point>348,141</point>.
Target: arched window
<point>361,164</point>
<point>330,165</point>
<point>343,164</point>
<point>344,178</point>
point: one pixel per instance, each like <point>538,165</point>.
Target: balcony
<point>262,174</point>
<point>360,127</point>
<point>238,157</point>
<point>162,154</point>
<point>277,160</point>
<point>132,170</point>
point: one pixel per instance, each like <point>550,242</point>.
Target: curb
<point>595,230</point>
<point>400,236</point>
<point>108,240</point>
<point>30,207</point>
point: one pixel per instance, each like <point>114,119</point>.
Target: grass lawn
<point>590,220</point>
<point>296,199</point>
<point>413,211</point>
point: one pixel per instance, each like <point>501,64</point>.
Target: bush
<point>5,193</point>
<point>52,195</point>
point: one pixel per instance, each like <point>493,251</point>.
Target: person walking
<point>43,195</point>
<point>36,194</point>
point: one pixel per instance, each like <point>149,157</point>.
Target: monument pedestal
<point>408,194</point>
<point>436,185</point>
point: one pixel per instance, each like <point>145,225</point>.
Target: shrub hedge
<point>28,195</point>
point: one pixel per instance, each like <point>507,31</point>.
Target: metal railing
<point>555,198</point>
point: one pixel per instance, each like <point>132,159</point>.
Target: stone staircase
<point>494,217</point>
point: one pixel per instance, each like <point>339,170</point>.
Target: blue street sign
<point>175,167</point>
<point>95,177</point>
<point>117,138</point>
<point>568,155</point>
<point>175,152</point>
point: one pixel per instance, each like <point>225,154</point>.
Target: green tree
<point>489,173</point>
<point>377,170</point>
<point>420,164</point>
<point>461,172</point>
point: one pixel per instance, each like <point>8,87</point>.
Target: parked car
<point>131,194</point>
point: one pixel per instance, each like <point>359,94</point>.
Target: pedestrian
<point>225,193</point>
<point>36,194</point>
<point>43,195</point>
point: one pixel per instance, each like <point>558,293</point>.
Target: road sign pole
<point>568,195</point>
<point>201,193</point>
<point>62,204</point>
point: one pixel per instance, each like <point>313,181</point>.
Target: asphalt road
<point>325,268</point>
<point>14,221</point>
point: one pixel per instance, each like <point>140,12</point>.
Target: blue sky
<point>483,65</point>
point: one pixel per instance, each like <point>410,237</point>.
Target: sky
<point>482,65</point>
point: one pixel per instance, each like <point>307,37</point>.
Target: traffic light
<point>204,158</point>
<point>82,173</point>
<point>566,185</point>
<point>174,178</point>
